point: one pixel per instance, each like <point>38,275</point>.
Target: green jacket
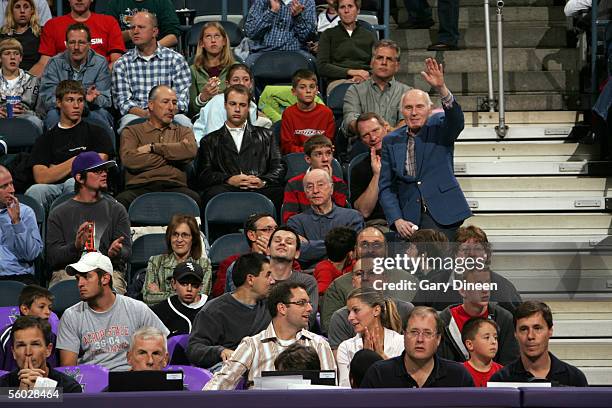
<point>276,98</point>
<point>159,271</point>
<point>339,52</point>
<point>199,78</point>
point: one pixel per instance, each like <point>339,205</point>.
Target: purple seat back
<point>194,377</point>
<point>8,315</point>
<point>180,340</point>
<point>93,378</point>
<point>2,372</point>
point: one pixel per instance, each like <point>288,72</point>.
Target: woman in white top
<point>378,326</point>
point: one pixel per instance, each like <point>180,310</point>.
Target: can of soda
<point>11,101</point>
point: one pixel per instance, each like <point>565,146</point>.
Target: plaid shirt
<point>280,31</point>
<point>133,78</point>
<point>257,353</point>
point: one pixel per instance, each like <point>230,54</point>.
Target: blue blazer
<point>400,195</point>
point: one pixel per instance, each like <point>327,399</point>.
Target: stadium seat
<point>93,378</point>
<point>234,208</point>
<point>66,294</point>
<point>9,292</point>
<point>8,315</point>
<point>297,165</point>
<point>194,377</point>
<point>145,247</point>
<point>277,68</point>
<point>177,346</point>
<point>19,134</point>
<point>234,32</point>
<point>39,212</point>
<point>159,207</point>
<point>335,99</point>
<point>353,162</point>
<point>59,200</point>
<point>227,245</point>
<point>211,10</point>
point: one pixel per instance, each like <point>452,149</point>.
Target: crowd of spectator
<point>196,130</point>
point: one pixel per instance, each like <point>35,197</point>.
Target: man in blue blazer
<point>419,188</point>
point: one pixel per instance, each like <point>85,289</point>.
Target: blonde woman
<point>378,326</point>
<point>209,70</point>
<point>21,22</point>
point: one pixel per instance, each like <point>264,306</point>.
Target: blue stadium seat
<point>356,159</point>
<point>66,294</point>
<point>19,134</point>
<point>39,212</point>
<point>145,247</point>
<point>297,165</point>
<point>233,208</point>
<point>277,68</point>
<point>59,200</point>
<point>9,292</point>
<point>227,245</point>
<point>335,99</point>
<point>159,207</point>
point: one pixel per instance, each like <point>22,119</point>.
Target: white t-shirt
<point>104,337</point>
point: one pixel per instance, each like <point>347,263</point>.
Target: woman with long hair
<point>184,244</point>
<point>378,326</point>
<point>21,22</point>
<point>213,59</point>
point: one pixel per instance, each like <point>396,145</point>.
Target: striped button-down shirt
<point>257,353</point>
<point>134,76</point>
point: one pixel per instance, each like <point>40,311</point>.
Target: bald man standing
<point>417,185</point>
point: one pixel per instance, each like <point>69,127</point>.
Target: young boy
<point>480,338</point>
<point>306,118</point>
<point>339,245</point>
<point>33,301</point>
<point>327,18</point>
<point>178,311</point>
<point>17,84</point>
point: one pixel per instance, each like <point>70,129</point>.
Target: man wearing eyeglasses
<point>89,222</point>
<point>319,154</point>
<point>418,366</point>
<point>290,308</point>
<point>81,63</point>
<point>179,311</point>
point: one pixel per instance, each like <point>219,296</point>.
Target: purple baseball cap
<point>87,161</point>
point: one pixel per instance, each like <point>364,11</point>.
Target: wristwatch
<point>151,147</point>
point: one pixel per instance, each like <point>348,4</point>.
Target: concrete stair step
<point>520,150</point>
<point>515,60</point>
<point>474,15</point>
<point>524,81</point>
<point>516,133</point>
<point>522,168</point>
<point>530,186</point>
<point>474,37</point>
<point>492,223</point>
<point>531,265</point>
<point>535,101</point>
<point>515,3</point>
<point>524,119</point>
<point>583,328</point>
<point>558,279</point>
<point>592,349</point>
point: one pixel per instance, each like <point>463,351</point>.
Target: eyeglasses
<point>371,245</point>
<point>427,334</point>
<point>182,235</point>
<point>267,229</point>
<point>300,303</point>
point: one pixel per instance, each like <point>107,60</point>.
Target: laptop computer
<point>316,377</point>
<point>119,381</point>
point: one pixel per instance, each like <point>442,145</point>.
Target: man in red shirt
<point>106,37</point>
<point>319,154</point>
<point>476,288</point>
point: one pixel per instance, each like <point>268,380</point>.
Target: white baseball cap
<point>89,262</point>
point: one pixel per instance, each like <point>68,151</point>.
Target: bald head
<point>371,243</point>
<point>416,107</point>
<point>7,190</point>
<point>318,187</point>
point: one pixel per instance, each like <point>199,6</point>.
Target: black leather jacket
<point>259,155</point>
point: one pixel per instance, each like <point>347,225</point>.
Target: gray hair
<point>385,43</point>
<point>149,333</point>
<point>328,177</point>
<point>418,91</point>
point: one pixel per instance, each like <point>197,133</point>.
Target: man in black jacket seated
<point>418,366</point>
<point>533,328</point>
<point>31,347</point>
<point>179,311</point>
<point>240,156</point>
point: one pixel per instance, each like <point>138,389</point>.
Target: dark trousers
<point>131,192</point>
<point>427,222</point>
<point>418,10</point>
<point>448,14</point>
